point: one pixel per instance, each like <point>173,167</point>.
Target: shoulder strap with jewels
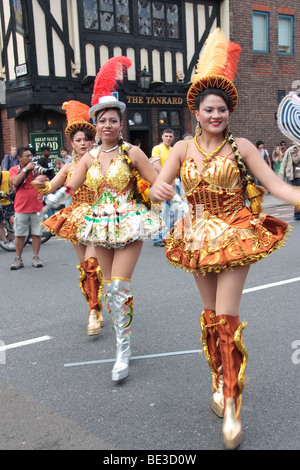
<point>94,152</point>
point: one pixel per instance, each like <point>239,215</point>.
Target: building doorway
<point>141,138</point>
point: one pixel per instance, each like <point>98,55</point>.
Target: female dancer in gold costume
<point>221,236</point>
<point>65,222</point>
<point>119,219</point>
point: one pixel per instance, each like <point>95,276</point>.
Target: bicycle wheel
<point>8,224</point>
<point>46,235</point>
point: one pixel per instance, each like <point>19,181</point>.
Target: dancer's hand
<point>39,181</point>
<point>161,192</point>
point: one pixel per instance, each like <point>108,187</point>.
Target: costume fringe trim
<point>239,343</point>
<point>59,237</point>
<point>203,327</point>
<point>100,290</point>
<point>251,259</point>
<point>82,276</point>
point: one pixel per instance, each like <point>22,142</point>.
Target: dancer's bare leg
<point>229,290</point>
<point>84,252</point>
<point>222,292</point>
<point>119,262</point>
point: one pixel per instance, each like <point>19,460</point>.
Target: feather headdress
<point>216,68</point>
<point>78,118</point>
<point>106,82</point>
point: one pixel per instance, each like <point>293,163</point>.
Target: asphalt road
<point>55,381</point>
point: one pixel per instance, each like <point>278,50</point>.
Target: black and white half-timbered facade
<point>51,51</point>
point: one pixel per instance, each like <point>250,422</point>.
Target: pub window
<point>285,34</point>
<point>137,118</point>
<point>158,19</point>
<point>170,119</point>
<point>107,15</point>
<point>260,31</point>
<point>45,121</point>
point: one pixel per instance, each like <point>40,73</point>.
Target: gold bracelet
<point>297,207</point>
<point>47,189</point>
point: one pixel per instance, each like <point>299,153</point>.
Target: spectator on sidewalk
<point>45,161</point>
<point>10,159</point>
<point>264,153</point>
<point>277,159</point>
<point>65,155</point>
<point>283,147</point>
<point>159,155</point>
<point>290,169</point>
<point>5,188</point>
<point>58,164</point>
<point>27,206</point>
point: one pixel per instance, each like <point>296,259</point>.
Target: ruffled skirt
<point>212,244</point>
<point>65,223</point>
<point>107,226</point>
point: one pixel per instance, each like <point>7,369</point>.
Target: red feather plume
<point>106,78</point>
<point>233,56</point>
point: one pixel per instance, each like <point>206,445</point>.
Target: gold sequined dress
<point>118,215</point>
<point>65,223</point>
<point>219,232</point>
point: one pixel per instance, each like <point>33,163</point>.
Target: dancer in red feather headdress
<point>106,83</point>
<point>120,218</point>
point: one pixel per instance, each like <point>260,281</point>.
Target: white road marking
<point>145,356</point>
<point>24,343</point>
<point>176,353</point>
<point>273,284</point>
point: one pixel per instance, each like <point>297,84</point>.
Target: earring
<point>120,138</point>
<point>198,130</point>
<point>74,154</point>
<point>97,139</point>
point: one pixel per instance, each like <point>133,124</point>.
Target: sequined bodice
<point>83,195</point>
<point>218,191</point>
<point>118,175</point>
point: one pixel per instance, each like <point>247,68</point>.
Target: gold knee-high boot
<point>210,341</point>
<point>91,285</point>
<point>122,312</point>
<point>234,362</point>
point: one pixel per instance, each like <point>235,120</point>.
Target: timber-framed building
<point>51,50</point>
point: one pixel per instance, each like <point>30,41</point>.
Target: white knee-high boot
<point>107,293</point>
<point>122,311</point>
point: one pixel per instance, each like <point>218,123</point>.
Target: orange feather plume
<point>106,79</point>
<point>219,57</point>
<point>76,111</point>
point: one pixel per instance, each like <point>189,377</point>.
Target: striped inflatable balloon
<point>288,117</point>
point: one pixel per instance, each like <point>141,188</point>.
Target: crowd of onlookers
<point>285,161</point>
<point>275,159</point>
